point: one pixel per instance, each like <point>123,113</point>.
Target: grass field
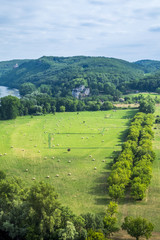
<point>145,94</point>
<point>25,142</point>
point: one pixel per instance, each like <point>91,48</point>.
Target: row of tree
<point>28,213</point>
<point>132,168</point>
<point>40,103</point>
<point>142,169</point>
<point>128,99</point>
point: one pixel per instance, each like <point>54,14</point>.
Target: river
<point>5,91</point>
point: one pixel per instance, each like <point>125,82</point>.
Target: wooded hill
<point>7,66</point>
<point>148,66</point>
<point>102,75</point>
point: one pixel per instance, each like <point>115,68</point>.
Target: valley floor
<point>40,145</point>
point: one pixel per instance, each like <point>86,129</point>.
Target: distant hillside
<point>148,66</point>
<point>148,83</point>
<point>7,66</point>
<point>61,74</point>
<point>65,73</point>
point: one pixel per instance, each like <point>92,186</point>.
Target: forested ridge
<point>6,66</point>
<point>102,75</point>
<point>148,66</point>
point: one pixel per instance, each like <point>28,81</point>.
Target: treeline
<point>35,213</point>
<point>148,83</point>
<point>131,170</point>
<point>39,104</point>
<point>137,98</point>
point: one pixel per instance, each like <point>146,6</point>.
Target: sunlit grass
<point>79,185</point>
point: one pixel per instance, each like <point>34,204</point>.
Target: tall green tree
<point>9,107</point>
<point>147,106</point>
<point>110,220</point>
<point>44,215</point>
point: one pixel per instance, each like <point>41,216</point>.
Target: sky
<point>124,29</point>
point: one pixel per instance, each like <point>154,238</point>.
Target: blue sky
<point>125,29</point>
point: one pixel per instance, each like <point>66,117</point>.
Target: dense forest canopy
<point>148,66</point>
<point>66,73</point>
<point>58,76</point>
<point>7,66</point>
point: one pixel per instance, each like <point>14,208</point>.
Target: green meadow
<point>38,148</point>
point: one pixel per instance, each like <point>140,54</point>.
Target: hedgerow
<point>132,169</point>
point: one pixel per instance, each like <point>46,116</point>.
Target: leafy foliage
<point>27,88</point>
<point>100,74</point>
<point>7,66</point>
<point>9,108</point>
<point>147,106</point>
<point>132,168</point>
<point>138,227</point>
<point>35,213</point>
<point>57,76</point>
<point>149,66</point>
<point>110,220</point>
<point>92,235</point>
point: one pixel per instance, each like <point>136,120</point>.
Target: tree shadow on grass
<point>129,114</point>
<point>123,135</point>
<point>100,188</point>
<point>128,200</point>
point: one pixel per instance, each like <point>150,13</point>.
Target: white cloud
<point>119,28</point>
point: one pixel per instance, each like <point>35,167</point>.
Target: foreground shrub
<point>138,227</point>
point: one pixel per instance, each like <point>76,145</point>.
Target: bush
<point>138,227</point>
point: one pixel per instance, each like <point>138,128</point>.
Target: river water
<point>5,91</point>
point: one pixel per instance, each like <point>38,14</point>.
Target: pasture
<point>37,149</point>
